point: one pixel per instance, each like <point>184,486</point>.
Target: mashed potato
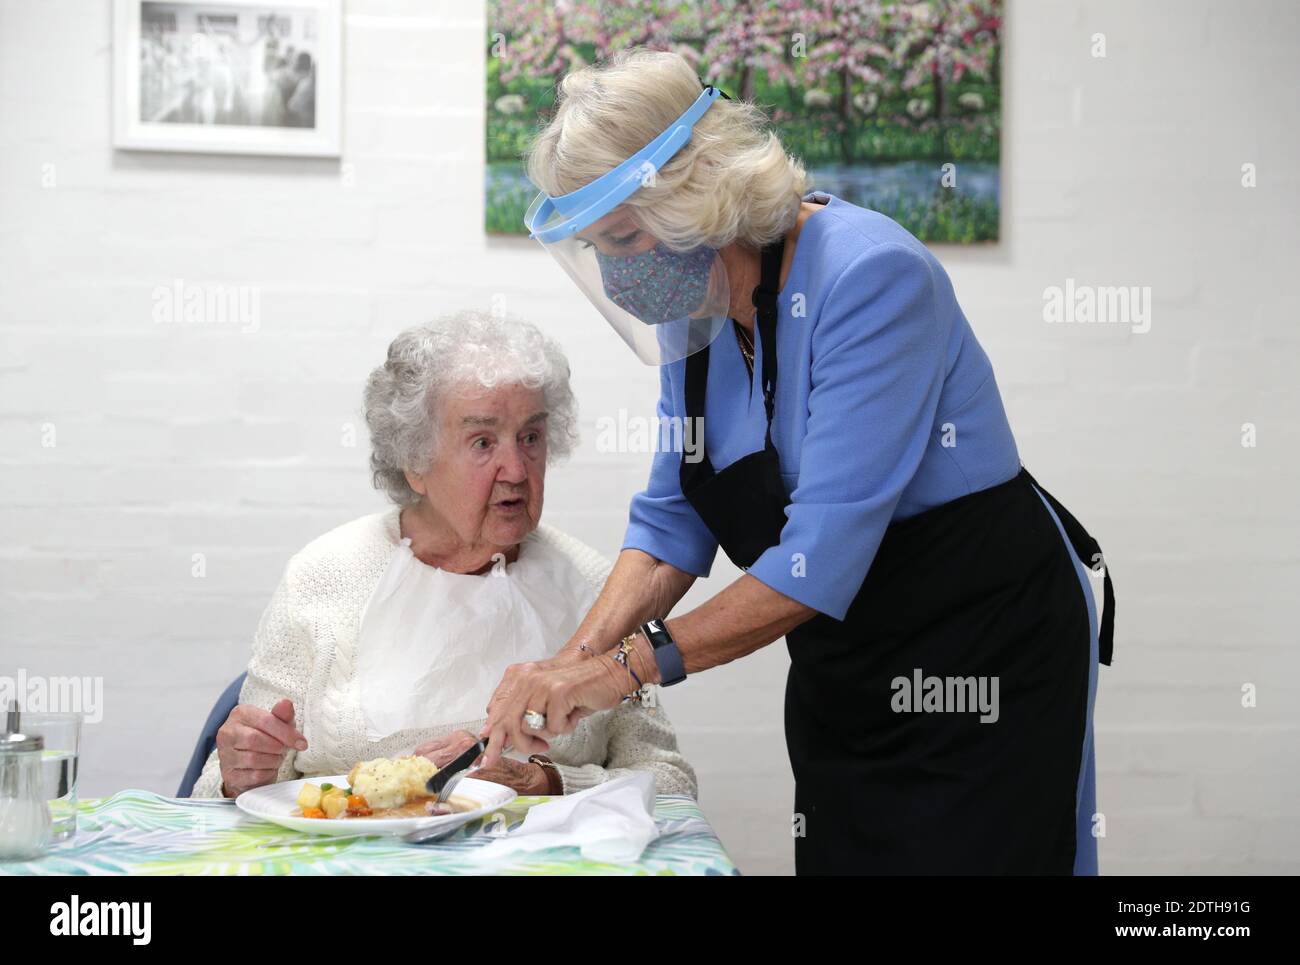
<point>389,782</point>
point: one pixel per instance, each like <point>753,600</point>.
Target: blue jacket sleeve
<point>661,522</point>
<point>878,365</point>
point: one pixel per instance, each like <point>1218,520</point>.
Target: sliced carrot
<point>313,813</point>
<point>357,802</point>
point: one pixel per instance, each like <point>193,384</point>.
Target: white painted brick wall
<point>175,439</point>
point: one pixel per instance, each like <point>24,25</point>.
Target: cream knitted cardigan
<point>305,649</point>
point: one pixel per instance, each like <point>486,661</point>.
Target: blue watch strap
<point>667,657</point>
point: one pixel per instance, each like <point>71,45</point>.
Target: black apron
<point>980,587</point>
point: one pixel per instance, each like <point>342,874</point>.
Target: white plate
<point>278,802</point>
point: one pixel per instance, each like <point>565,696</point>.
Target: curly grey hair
<point>428,361</point>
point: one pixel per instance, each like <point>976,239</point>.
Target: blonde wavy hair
<point>732,182</point>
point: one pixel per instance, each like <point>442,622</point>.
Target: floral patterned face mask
<point>659,285</point>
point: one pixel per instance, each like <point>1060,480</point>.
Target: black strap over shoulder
<point>764,299</point>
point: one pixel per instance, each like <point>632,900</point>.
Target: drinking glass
<point>62,734</point>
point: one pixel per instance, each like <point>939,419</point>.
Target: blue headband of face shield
<point>581,208</point>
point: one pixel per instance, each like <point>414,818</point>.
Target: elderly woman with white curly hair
<point>387,634</point>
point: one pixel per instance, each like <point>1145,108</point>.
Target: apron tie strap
<point>764,298</point>
<point>1089,552</point>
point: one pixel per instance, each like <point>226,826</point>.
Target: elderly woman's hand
<point>523,777</point>
<point>251,744</point>
<point>443,750</point>
<point>564,693</point>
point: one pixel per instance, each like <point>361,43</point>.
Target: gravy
<point>416,809</point>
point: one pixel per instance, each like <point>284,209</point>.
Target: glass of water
<point>62,733</point>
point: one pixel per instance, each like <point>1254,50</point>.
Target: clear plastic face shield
<point>665,304</point>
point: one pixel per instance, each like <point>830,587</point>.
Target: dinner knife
<point>461,764</point>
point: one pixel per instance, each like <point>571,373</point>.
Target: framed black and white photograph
<point>228,77</point>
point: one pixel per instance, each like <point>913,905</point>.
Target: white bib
<point>434,645</point>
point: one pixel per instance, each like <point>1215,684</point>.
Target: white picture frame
<point>228,76</point>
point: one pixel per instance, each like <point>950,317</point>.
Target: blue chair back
<point>227,702</point>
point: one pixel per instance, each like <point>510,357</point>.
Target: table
<point>142,833</point>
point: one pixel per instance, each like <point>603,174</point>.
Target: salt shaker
<point>24,813</point>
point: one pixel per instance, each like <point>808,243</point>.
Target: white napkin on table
<point>611,822</point>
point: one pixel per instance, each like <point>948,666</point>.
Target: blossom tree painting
<point>892,105</point>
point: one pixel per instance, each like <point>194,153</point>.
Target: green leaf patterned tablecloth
<point>141,833</point>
